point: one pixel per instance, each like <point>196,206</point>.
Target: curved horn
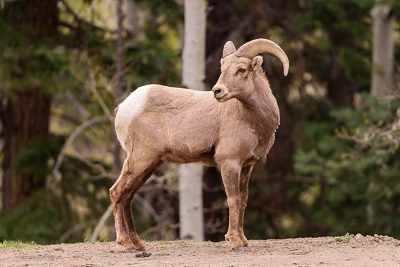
<point>258,46</point>
<point>229,48</point>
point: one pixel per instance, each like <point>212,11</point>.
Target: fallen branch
<point>75,229</point>
<point>101,223</point>
<point>56,170</point>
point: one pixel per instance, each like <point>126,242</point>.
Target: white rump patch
<point>130,108</point>
<point>133,105</point>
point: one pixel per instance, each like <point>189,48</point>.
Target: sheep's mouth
<point>221,98</point>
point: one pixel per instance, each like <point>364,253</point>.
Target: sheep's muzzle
<point>219,93</point>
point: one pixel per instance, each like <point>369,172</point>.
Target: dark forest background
<point>64,65</point>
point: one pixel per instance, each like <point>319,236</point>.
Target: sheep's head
<point>239,66</point>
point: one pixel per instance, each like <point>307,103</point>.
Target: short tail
<point>115,111</point>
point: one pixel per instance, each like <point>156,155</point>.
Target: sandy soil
<point>324,251</point>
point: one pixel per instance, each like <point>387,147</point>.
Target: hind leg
<point>134,174</point>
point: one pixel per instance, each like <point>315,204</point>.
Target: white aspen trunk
<point>382,49</point>
<point>135,18</point>
<point>191,175</point>
<point>191,202</point>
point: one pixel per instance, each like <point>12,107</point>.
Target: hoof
<point>239,249</point>
<point>141,249</point>
<point>237,243</point>
<point>134,250</point>
<point>245,242</point>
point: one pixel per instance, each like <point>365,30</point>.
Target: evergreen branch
<point>388,141</point>
<point>80,20</point>
<point>157,58</point>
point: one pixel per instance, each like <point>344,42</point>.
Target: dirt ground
<point>324,251</point>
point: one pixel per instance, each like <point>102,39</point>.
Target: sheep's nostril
<point>216,91</point>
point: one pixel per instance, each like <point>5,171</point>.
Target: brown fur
<point>182,126</point>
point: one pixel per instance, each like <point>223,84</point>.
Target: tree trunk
<point>135,18</point>
<point>382,49</point>
<point>25,116</point>
<point>341,88</point>
<point>25,120</point>
<point>190,175</point>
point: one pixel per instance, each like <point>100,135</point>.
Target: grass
<point>18,244</point>
<point>343,239</point>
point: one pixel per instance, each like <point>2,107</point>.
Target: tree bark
<point>25,115</point>
<point>25,120</point>
<point>341,88</point>
<point>382,49</point>
<point>190,175</point>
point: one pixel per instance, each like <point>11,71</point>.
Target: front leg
<point>230,171</point>
<point>244,194</point>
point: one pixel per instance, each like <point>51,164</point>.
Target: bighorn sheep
<point>157,124</point>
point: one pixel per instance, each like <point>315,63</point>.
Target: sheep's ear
<point>221,61</point>
<point>256,63</point>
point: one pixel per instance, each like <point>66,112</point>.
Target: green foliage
<point>168,14</point>
<point>82,66</point>
<point>358,166</point>
<point>32,67</point>
<point>49,213</point>
<point>41,218</point>
<point>33,159</point>
<point>152,63</point>
<point>337,29</point>
<point>18,244</point>
<point>25,64</point>
<point>343,239</point>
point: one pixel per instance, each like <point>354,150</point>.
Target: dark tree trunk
<point>25,115</point>
<point>25,119</point>
<point>341,88</point>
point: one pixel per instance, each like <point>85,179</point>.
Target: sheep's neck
<point>261,109</point>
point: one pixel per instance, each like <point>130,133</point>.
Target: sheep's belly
<point>206,158</point>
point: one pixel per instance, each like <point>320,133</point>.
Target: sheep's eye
<point>241,70</point>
